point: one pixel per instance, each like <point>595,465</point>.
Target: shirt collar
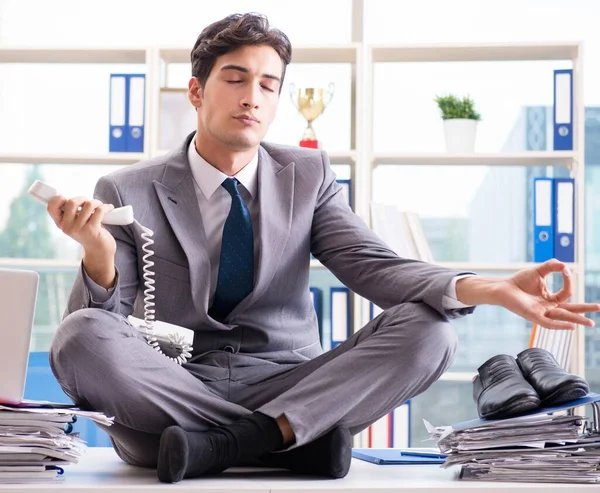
<point>209,178</point>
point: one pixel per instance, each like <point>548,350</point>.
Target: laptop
<point>18,296</point>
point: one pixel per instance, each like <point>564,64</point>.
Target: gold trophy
<point>311,102</point>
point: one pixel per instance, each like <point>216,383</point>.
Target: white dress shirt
<point>215,202</point>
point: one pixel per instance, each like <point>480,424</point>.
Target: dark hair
<point>231,33</point>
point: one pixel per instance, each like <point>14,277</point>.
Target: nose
<point>250,99</point>
<point>248,104</point>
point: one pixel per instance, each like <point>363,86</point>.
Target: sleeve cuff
<point>449,300</point>
<point>98,294</point>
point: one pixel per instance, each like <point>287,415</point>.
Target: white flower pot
<point>459,134</point>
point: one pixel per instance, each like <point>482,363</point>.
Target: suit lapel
<point>276,202</point>
<point>179,202</point>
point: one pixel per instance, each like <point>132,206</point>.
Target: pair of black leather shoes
<point>506,387</point>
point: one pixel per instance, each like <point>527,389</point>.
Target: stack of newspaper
<point>36,441</point>
<point>552,446</point>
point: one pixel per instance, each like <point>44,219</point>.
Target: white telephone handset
<point>173,341</point>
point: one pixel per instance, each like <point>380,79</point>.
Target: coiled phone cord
<point>174,339</point>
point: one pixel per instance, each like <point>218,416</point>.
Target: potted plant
<point>460,122</point>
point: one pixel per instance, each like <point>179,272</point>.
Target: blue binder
<point>347,189</point>
<point>563,110</point>
<point>591,398</point>
<point>339,302</point>
<point>117,118</point>
<point>127,112</point>
<point>543,219</point>
<point>564,219</point>
<point>374,311</point>
<point>136,94</point>
<point>317,298</point>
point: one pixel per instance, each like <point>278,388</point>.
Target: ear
<point>195,92</point>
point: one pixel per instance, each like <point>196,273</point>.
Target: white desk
<point>100,470</point>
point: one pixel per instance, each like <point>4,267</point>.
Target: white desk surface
<point>101,470</point>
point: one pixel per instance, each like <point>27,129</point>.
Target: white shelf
<point>343,53</point>
<point>37,263</point>
<point>458,376</point>
<point>108,158</point>
<point>71,55</point>
<point>507,267</point>
<point>477,267</point>
<point>341,157</point>
<point>325,54</point>
<point>531,158</point>
<point>475,52</point>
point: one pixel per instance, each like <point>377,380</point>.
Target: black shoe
<point>552,383</point>
<point>329,456</point>
<point>501,391</point>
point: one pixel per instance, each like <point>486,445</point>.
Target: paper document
<point>550,445</point>
<point>36,437</point>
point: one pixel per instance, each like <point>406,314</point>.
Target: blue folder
<point>390,456</point>
<point>591,398</point>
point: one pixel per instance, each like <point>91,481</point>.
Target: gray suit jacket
<point>302,210</point>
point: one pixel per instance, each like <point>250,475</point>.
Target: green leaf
<point>453,107</point>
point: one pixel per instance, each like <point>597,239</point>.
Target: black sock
<point>184,454</point>
<point>329,455</point>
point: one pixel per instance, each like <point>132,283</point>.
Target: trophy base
<point>312,143</point>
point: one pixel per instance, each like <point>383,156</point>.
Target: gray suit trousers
<point>104,363</point>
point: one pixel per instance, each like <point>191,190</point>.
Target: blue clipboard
<point>390,456</point>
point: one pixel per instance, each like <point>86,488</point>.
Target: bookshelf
<point>571,160</point>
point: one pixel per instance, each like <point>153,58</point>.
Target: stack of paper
<point>36,441</point>
<point>551,445</point>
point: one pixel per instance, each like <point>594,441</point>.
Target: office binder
<point>374,311</point>
<point>118,113</point>
<point>401,423</point>
<point>392,430</point>
<point>127,112</point>
<point>316,295</point>
<point>136,114</point>
<point>340,315</point>
<point>591,398</point>
<point>346,190</point>
<point>379,434</point>
<point>563,110</point>
<point>543,219</point>
<point>564,219</point>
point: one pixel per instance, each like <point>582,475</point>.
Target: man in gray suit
<point>235,220</point>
